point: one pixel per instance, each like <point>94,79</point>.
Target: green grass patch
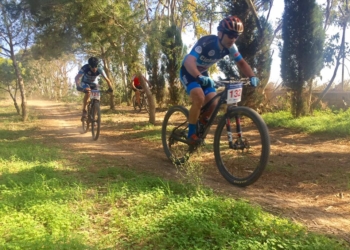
<point>41,207</point>
<point>148,132</point>
<point>321,122</point>
<point>48,202</point>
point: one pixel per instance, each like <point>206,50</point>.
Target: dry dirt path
<point>307,180</point>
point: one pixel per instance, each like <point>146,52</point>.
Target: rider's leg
<point>85,101</point>
<point>85,88</point>
<point>195,91</point>
<point>210,110</point>
<point>197,96</point>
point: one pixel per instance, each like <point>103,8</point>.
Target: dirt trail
<point>307,180</point>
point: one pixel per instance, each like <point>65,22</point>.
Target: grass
<point>49,202</point>
<point>148,132</point>
<point>321,122</point>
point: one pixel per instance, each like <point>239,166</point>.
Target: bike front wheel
<point>145,103</point>
<point>174,135</point>
<point>242,162</point>
<point>95,120</point>
<point>85,124</point>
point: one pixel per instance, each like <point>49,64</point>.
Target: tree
<point>253,44</point>
<point>302,51</point>
<point>16,32</point>
<point>48,78</point>
<point>333,52</point>
<point>8,81</point>
<point>109,30</point>
<point>172,48</point>
<point>154,65</point>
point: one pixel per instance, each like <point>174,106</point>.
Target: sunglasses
<point>93,67</point>
<point>232,35</point>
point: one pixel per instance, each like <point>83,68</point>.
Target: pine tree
<point>302,51</point>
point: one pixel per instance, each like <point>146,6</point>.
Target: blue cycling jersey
<point>89,76</point>
<point>207,52</point>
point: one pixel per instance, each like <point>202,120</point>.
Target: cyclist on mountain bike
<point>137,88</point>
<point>194,70</point>
<point>90,73</point>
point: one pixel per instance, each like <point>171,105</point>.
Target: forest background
<point>43,41</point>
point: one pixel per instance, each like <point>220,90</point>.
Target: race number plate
<point>95,94</point>
<point>234,93</point>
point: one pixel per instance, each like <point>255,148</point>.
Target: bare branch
<point>3,48</point>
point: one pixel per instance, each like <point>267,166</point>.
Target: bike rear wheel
<point>242,164</point>
<point>145,103</point>
<point>174,135</point>
<point>95,120</point>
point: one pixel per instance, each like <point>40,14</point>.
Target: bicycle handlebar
<point>222,83</point>
<point>101,91</point>
<point>142,90</point>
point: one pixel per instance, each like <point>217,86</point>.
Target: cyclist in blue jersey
<point>89,75</point>
<point>194,70</point>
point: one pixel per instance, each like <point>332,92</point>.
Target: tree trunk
<point>128,91</point>
<point>309,95</point>
<point>344,35</point>
<point>109,75</point>
<point>297,103</point>
<point>328,12</point>
<point>151,102</point>
<point>21,88</point>
<point>13,97</point>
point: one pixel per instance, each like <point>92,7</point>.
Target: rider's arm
<point>77,78</point>
<point>104,75</point>
<point>191,65</point>
<point>245,68</point>
<point>132,84</point>
<point>108,82</point>
<point>240,62</point>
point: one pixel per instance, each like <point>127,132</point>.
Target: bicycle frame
<point>221,101</point>
<point>94,97</point>
<point>142,98</point>
<point>222,96</point>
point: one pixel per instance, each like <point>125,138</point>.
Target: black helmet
<point>231,25</point>
<point>93,62</point>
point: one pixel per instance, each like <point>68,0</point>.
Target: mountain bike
<point>93,114</point>
<point>143,102</point>
<point>241,140</point>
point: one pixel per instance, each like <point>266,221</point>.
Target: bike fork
<point>229,132</point>
<point>90,118</point>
